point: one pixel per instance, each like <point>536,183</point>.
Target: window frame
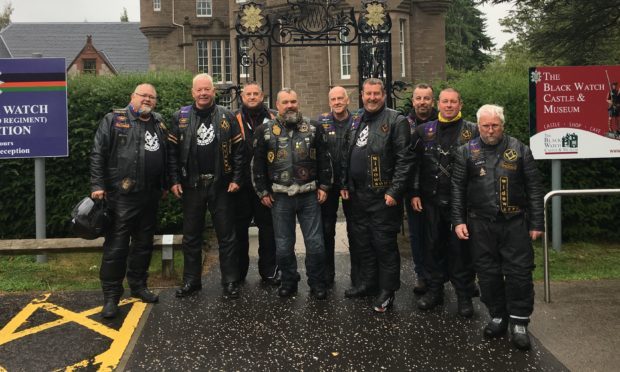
<point>345,54</point>
<point>205,6</point>
<point>205,54</point>
<point>86,61</point>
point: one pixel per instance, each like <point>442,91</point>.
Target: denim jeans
<point>308,211</point>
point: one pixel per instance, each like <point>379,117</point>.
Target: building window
<point>345,58</point>
<point>225,100</point>
<point>214,58</point>
<point>156,5</point>
<point>244,46</point>
<point>227,61</point>
<point>204,8</point>
<point>401,46</point>
<point>89,66</point>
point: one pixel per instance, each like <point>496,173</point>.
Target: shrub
<point>67,179</point>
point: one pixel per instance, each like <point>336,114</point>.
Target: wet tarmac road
<point>257,332</point>
<point>262,332</point>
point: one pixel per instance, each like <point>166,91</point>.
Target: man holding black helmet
<point>128,169</point>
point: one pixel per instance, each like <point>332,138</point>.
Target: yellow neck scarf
<point>444,120</point>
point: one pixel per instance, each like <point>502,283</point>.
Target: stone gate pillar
<point>428,36</point>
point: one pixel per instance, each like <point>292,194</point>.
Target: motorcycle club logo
<point>151,142</point>
<point>362,140</point>
<point>205,136</point>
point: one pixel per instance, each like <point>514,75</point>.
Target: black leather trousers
<point>128,244</point>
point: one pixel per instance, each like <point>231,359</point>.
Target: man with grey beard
<point>292,174</point>
<point>127,168</point>
<point>497,204</point>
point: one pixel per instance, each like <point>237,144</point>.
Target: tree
<point>570,32</point>
<point>466,40</point>
<point>124,16</point>
<point>5,16</point>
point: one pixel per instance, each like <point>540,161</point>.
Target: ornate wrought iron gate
<point>312,23</point>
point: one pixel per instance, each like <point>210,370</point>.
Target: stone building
<point>200,36</point>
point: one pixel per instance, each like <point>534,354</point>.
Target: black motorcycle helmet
<point>89,218</point>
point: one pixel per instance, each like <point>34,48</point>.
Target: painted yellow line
<point>81,320</point>
<point>8,334</point>
<point>108,360</point>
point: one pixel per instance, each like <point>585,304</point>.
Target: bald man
<point>206,164</point>
<point>335,124</point>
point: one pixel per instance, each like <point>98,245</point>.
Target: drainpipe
<point>329,64</point>
<point>183,31</point>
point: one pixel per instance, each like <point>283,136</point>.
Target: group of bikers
<point>472,193</point>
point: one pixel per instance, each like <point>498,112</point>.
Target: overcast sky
<point>111,10</point>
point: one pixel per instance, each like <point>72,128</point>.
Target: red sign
<point>575,112</point>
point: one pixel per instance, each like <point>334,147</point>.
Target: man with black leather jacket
<point>128,168</point>
<point>206,162</point>
<point>335,124</point>
<point>292,174</point>
<point>376,167</point>
<point>253,113</point>
<point>435,143</point>
<point>423,111</point>
<point>497,204</point>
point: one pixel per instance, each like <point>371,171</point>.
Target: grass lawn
<point>580,261</point>
<point>71,271</point>
<point>80,271</point>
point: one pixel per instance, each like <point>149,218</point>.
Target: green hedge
<point>67,179</point>
<point>90,98</point>
<point>583,218</point>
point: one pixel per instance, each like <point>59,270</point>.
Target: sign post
<point>33,119</point>
<point>572,117</point>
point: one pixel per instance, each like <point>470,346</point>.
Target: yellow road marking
<point>107,360</point>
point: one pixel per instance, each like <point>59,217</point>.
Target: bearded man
<point>292,174</point>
